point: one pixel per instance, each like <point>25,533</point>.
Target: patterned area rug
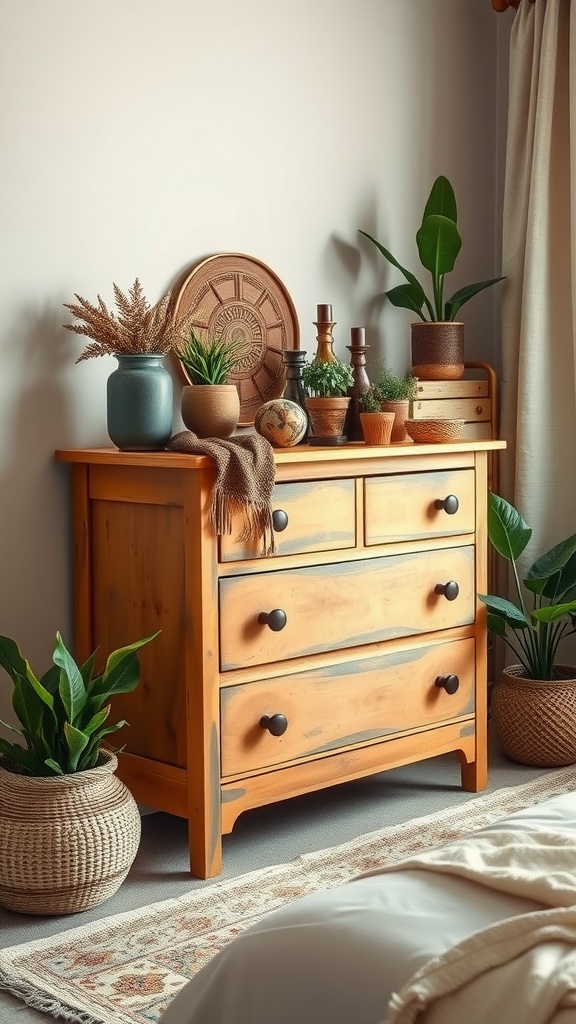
<point>125,969</point>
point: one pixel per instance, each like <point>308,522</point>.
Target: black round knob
<point>276,724</point>
<point>275,620</point>
<point>450,590</point>
<point>449,683</point>
<point>279,520</point>
<point>450,504</point>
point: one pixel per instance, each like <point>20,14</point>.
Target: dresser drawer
<point>404,507</point>
<point>348,704</point>
<point>344,605</point>
<point>319,515</point>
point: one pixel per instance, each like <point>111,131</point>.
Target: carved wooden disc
<point>238,297</point>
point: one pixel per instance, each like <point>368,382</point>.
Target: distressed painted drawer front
<point>321,516</point>
<point>403,507</point>
<point>329,607</point>
<point>344,705</point>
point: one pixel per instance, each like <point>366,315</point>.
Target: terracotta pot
<point>68,841</point>
<point>401,409</point>
<point>377,426</point>
<point>437,350</point>
<point>327,418</point>
<point>536,718</point>
<point>211,410</point>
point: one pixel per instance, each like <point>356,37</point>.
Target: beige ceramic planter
<point>211,410</point>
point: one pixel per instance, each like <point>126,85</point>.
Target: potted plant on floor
<point>210,405</point>
<point>376,424</point>
<point>70,828</point>
<point>437,340</point>
<point>326,385</point>
<point>139,392</point>
<point>534,703</point>
<point>395,393</point>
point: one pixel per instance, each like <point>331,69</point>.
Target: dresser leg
<point>474,773</point>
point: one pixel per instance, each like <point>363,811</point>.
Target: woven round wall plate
<point>237,297</point>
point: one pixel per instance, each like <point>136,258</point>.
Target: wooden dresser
<point>358,647</point>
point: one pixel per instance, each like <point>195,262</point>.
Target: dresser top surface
<point>298,455</point>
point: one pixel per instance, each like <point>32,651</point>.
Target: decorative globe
<point>281,422</point>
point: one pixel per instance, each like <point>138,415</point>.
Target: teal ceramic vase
<point>139,403</point>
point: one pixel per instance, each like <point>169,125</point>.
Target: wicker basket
<point>434,431</point>
<point>536,719</point>
<point>67,841</point>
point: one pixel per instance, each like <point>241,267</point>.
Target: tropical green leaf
<point>10,658</point>
<point>71,685</point>
<point>26,758</point>
<point>76,741</point>
<point>552,613</point>
<point>495,623</point>
<point>548,569</point>
<point>410,277</point>
<point>441,200</point>
<point>56,769</point>
<point>507,530</point>
<point>438,244</point>
<point>407,296</point>
<point>465,294</point>
<point>504,609</point>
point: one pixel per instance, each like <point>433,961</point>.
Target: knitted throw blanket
<point>245,473</point>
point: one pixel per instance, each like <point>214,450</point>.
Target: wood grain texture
<point>403,507</point>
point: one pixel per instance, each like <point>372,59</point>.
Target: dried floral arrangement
<point>137,329</point>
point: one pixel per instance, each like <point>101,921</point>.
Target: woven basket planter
<point>536,719</point>
<point>67,841</point>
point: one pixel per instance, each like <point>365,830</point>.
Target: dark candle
<point>358,335</point>
<point>324,313</point>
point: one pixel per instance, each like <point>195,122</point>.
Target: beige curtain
<point>538,472</point>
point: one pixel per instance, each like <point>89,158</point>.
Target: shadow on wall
<point>34,516</point>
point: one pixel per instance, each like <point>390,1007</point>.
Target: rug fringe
<point>44,1002</point>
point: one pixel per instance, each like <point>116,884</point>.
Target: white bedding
<point>338,957</point>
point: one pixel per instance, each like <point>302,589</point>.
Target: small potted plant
<point>327,383</point>
<point>210,405</point>
<point>376,423</point>
<point>139,391</point>
<point>395,393</point>
<point>59,797</point>
<point>437,339</point>
<point>534,703</point>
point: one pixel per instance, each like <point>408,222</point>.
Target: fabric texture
<point>530,958</point>
<point>538,387</point>
<point>245,474</point>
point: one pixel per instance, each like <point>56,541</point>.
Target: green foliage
<point>209,360</point>
<point>371,401</point>
<point>439,244</point>
<point>532,633</point>
<point>327,380</point>
<point>390,387</point>
<point>63,715</point>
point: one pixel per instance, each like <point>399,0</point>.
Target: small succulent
<point>324,379</point>
<point>209,360</point>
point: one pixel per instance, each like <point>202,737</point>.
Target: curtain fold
<point>538,415</point>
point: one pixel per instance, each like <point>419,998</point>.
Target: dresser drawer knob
<point>279,520</point>
<point>450,590</point>
<point>448,683</point>
<point>449,504</point>
<point>275,620</point>
<point>276,724</point>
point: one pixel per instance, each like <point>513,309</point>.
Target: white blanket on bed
<point>522,969</point>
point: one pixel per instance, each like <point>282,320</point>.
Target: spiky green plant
<point>209,360</point>
<point>439,243</point>
<point>63,714</point>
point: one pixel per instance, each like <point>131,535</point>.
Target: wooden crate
<point>472,399</point>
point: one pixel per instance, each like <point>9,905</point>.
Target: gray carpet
<point>264,836</point>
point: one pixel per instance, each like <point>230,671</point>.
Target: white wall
<point>139,136</point>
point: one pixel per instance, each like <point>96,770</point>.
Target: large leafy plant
<point>209,360</point>
<point>323,379</point>
<point>534,628</point>
<point>439,243</point>
<point>63,715</point>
